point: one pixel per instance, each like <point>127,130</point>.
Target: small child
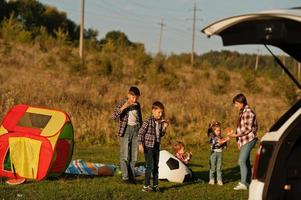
<point>149,138</point>
<point>180,153</point>
<point>218,143</point>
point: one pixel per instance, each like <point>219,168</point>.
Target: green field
<point>113,188</point>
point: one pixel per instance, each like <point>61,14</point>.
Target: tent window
<point>33,120</point>
<point>7,165</point>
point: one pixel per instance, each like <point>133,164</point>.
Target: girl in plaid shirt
<point>246,135</point>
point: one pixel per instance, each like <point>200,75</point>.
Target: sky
<point>140,20</point>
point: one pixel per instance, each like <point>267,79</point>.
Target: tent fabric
<point>25,156</point>
<point>59,163</point>
<point>35,142</point>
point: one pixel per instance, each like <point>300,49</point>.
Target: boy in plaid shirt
<point>128,113</point>
<point>149,138</point>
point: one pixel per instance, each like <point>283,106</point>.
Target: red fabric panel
<point>21,129</point>
<point>13,116</point>
<point>3,151</point>
<point>46,155</point>
<point>62,151</point>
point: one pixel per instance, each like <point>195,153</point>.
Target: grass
<point>113,188</point>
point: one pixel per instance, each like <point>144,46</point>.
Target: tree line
<point>34,18</point>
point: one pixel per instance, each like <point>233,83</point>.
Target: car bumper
<point>256,190</point>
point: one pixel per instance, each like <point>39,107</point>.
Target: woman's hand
<point>230,132</point>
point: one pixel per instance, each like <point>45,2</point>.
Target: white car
<point>277,167</point>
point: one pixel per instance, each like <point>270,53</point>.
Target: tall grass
<point>193,96</point>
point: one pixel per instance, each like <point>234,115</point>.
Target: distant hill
<point>41,68</point>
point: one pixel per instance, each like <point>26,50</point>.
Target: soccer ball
<point>173,169</point>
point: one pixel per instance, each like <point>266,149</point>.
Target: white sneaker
<point>211,182</point>
<point>220,182</point>
<point>240,186</point>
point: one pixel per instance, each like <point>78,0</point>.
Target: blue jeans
<point>244,162</point>
<point>216,164</point>
<point>151,156</point>
<point>129,152</point>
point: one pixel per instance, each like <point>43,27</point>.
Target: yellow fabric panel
<point>56,122</point>
<point>24,155</point>
<point>3,130</point>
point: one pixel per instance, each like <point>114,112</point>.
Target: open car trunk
<point>280,28</point>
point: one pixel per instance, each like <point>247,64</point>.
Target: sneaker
<point>156,188</point>
<point>240,186</point>
<point>147,189</point>
<point>211,182</point>
<point>220,182</point>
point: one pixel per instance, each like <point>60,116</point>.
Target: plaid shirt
<point>123,116</point>
<point>247,126</point>
<point>147,133</point>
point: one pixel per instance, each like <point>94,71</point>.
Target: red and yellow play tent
<point>35,143</point>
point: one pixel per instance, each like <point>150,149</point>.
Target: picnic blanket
<point>81,167</point>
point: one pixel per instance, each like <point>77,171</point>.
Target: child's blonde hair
<point>177,146</point>
<point>213,125</point>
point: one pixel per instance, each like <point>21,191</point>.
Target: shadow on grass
<point>179,185</point>
<point>231,174</point>
<point>74,176</point>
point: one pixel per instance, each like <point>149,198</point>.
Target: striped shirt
<point>247,126</point>
<point>123,116</point>
<point>147,133</point>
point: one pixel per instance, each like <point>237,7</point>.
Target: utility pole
<point>81,37</point>
<point>193,33</point>
<point>161,33</point>
<point>257,60</point>
<point>299,66</point>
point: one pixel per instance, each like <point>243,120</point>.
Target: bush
<point>103,66</point>
<point>77,67</point>
<point>250,82</point>
<point>50,62</point>
<point>221,85</point>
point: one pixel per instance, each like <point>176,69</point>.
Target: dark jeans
<point>151,156</point>
<point>129,152</point>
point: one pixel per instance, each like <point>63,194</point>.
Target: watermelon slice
<point>15,181</point>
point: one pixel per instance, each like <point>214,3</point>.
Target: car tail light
<point>255,166</point>
<point>262,160</point>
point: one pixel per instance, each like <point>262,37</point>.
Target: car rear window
<point>264,159</point>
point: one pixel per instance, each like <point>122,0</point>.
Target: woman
<point>246,136</point>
